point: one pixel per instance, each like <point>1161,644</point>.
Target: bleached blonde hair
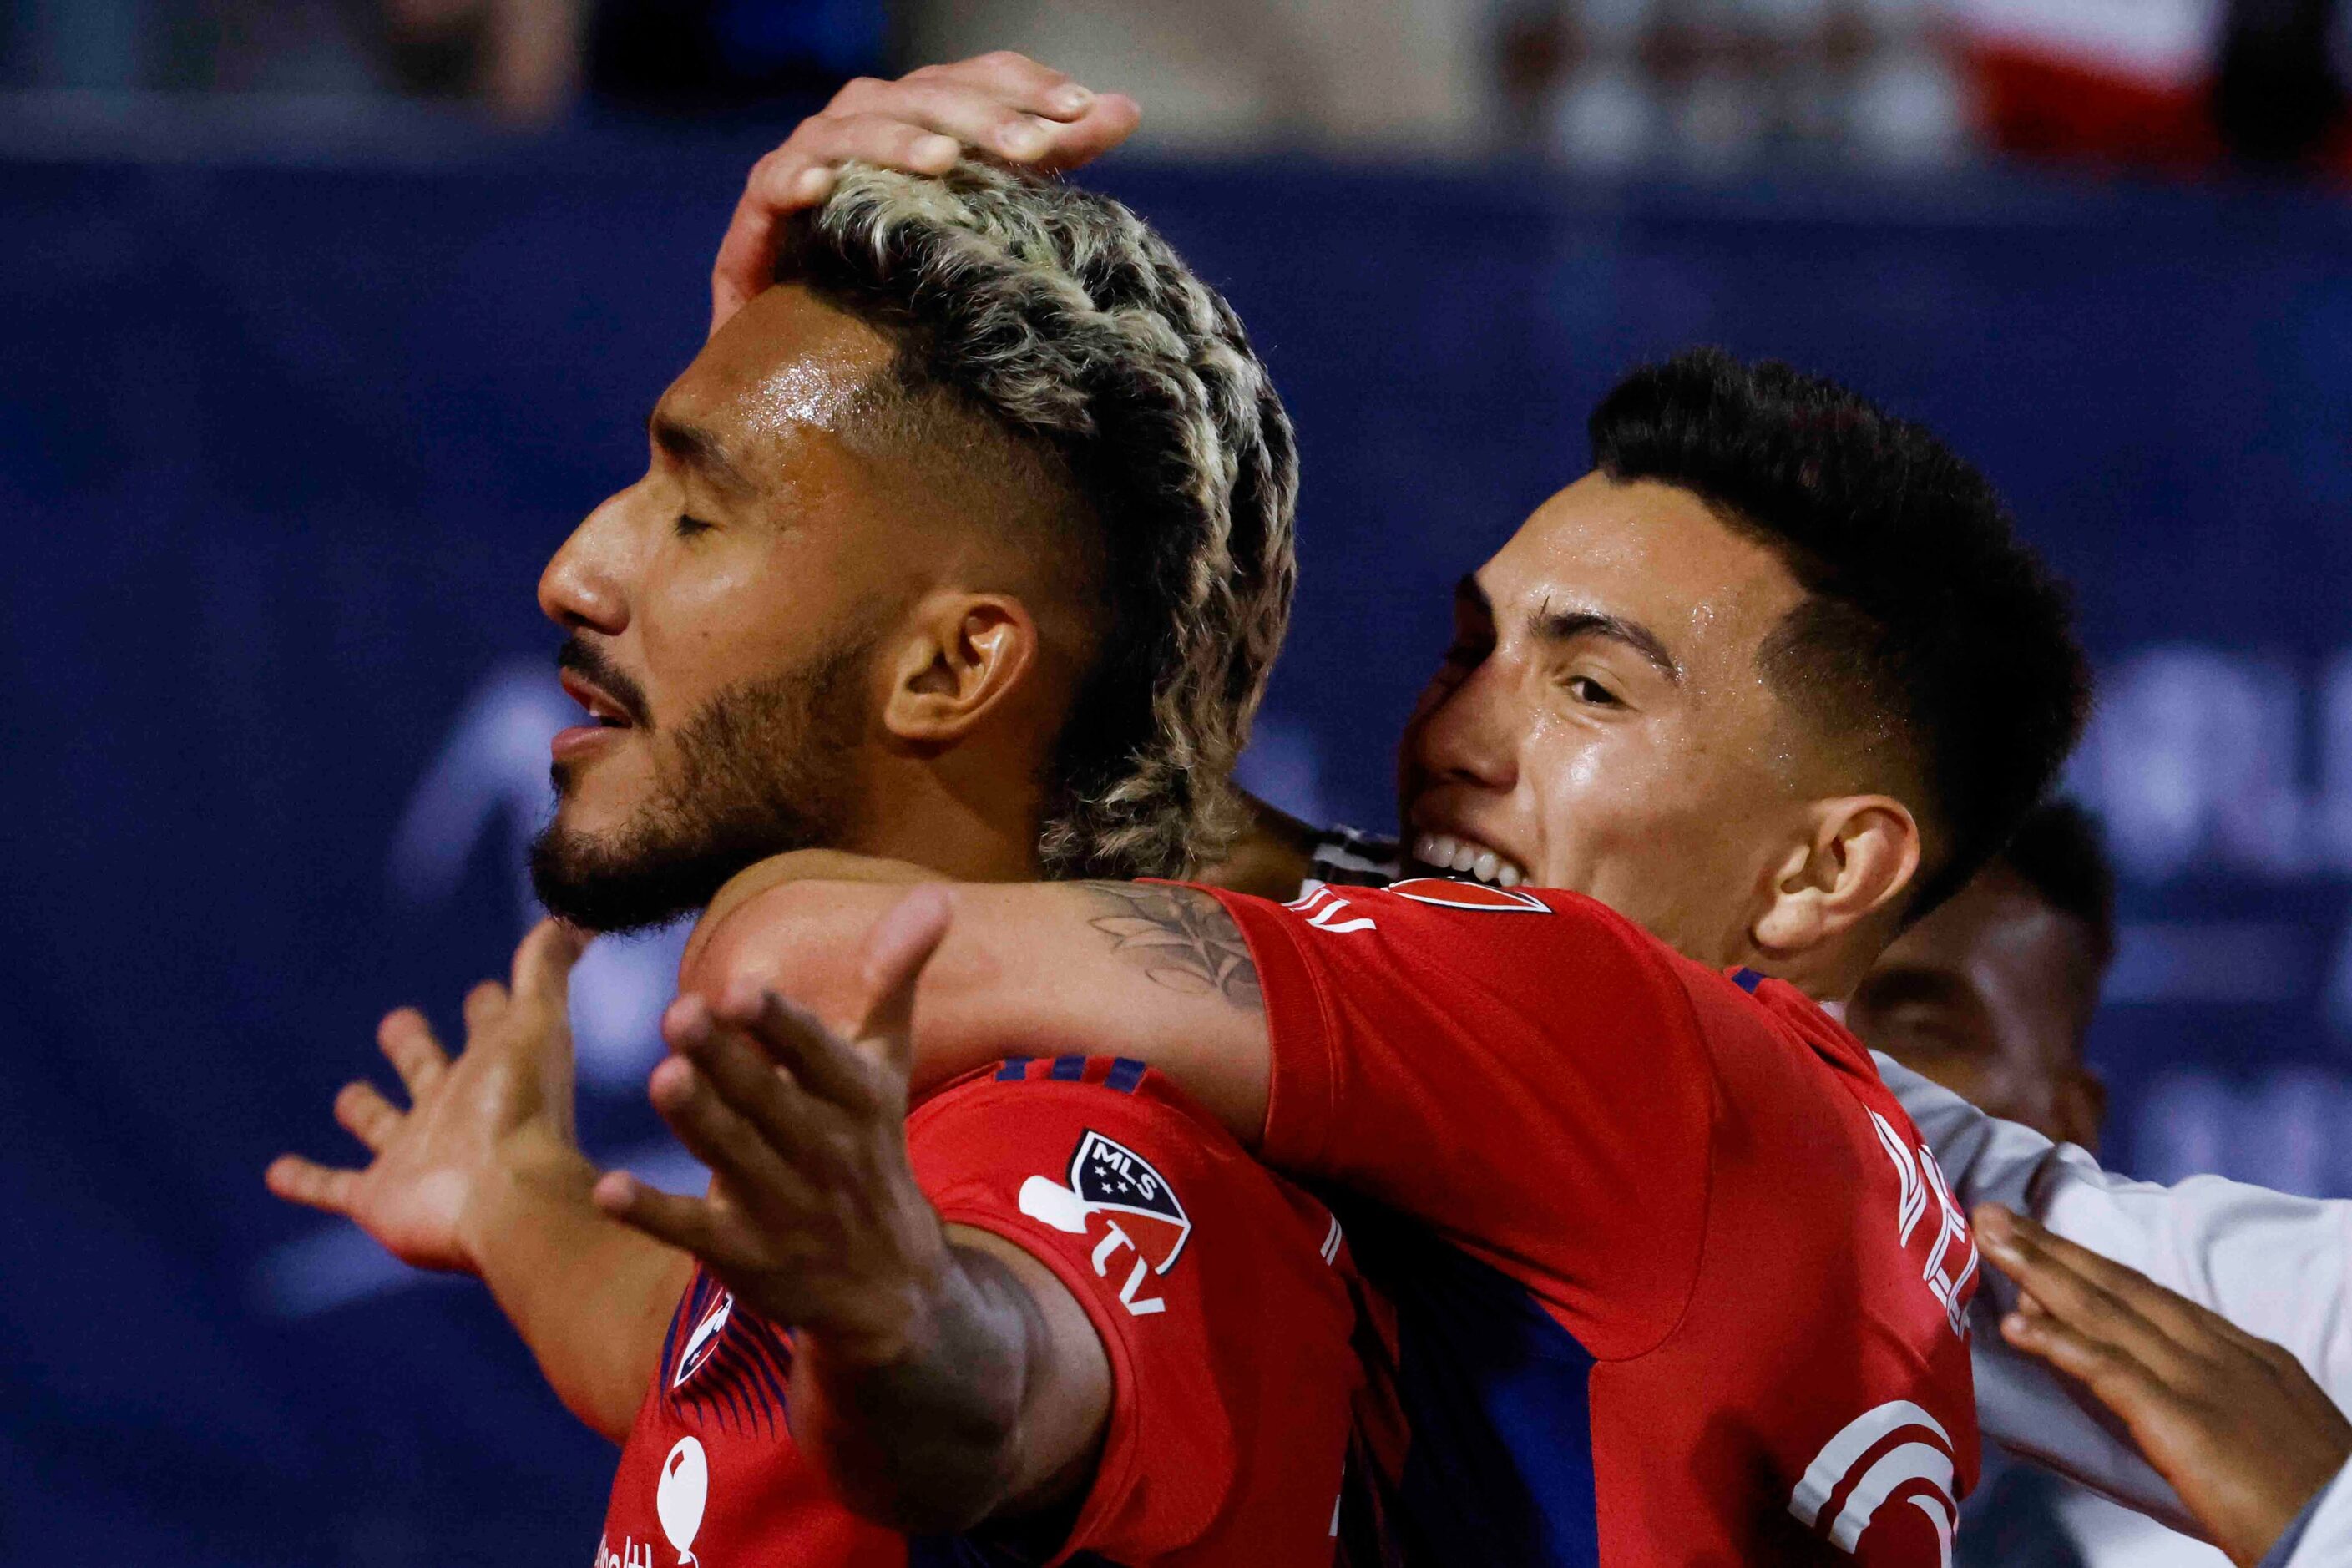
<point>1068,321</point>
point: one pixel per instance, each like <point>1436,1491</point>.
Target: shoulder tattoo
<point>1180,937</point>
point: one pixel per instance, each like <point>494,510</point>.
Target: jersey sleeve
<point>1221,1296</point>
<point>1521,1071</point>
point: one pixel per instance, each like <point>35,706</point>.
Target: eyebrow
<point>697,449</point>
<point>1548,624</point>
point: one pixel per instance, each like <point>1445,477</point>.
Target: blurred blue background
<point>294,404</point>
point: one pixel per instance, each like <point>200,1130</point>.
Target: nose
<point>1464,733</point>
<point>581,588</point>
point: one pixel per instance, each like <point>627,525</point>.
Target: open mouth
<point>1456,856</point>
<point>605,711</point>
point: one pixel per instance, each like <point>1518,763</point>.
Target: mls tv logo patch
<point>1140,1211</point>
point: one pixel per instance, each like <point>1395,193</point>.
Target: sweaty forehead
<point>1651,553</point>
<point>786,364</point>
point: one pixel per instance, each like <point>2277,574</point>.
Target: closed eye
<point>688,527</point>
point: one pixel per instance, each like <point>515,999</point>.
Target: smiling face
<point>1603,723</point>
<point>724,614</point>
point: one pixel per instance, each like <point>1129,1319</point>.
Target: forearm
<point>591,1297</point>
<point>991,1404</point>
<point>1156,974</point>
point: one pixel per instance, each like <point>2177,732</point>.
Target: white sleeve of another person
<point>2271,1264</point>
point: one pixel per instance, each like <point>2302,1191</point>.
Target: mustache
<point>585,659</point>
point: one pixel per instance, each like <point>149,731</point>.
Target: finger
<point>1018,126</point>
<point>1110,120</point>
<point>313,1185</point>
<point>716,1134</point>
<point>1017,80</point>
<point>366,1115</point>
<point>901,942</point>
<point>2095,1295</point>
<point>408,1044</point>
<point>690,1225</point>
<point>787,180</point>
<point>2060,1290</point>
<point>2122,1383</point>
<point>820,1062</point>
<point>747,258</point>
<point>798,175</point>
<point>543,964</point>
<point>483,1003</point>
<point>749,1084</point>
<point>884,141</point>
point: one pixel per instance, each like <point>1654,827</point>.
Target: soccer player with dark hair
<point>967,543</point>
<point>1681,1282</point>
<point>2274,1265</point>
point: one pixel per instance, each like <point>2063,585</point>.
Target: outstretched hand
<point>2234,1422</point>
<point>1002,106</point>
<point>812,1217</point>
<point>506,1099</point>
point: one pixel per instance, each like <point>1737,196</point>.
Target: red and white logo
<point>1448,894</point>
<point>1140,1211</point>
<point>705,1338</point>
<point>1895,1455</point>
<point>1326,910</point>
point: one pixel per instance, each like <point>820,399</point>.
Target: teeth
<point>1447,853</point>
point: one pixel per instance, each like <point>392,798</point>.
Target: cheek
<point>708,619</point>
<point>1596,789</point>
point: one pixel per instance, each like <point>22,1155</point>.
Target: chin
<point>583,812</point>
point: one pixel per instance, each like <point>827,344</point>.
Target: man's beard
<point>763,768</point>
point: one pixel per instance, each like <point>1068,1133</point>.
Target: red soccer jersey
<point>1686,1286</point>
<point>1221,1293</point>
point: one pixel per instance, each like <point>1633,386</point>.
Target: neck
<point>1829,974</point>
<point>975,836</point>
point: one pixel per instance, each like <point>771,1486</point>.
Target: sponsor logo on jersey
<point>705,1338</point>
<point>1451,895</point>
<point>630,1555</point>
<point>1950,1269</point>
<point>679,1496</point>
<point>1142,1214</point>
<point>1894,1454</point>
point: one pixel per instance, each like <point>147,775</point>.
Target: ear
<point>962,654</point>
<point>1859,859</point>
<point>2079,1107</point>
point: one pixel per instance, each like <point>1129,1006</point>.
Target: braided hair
<point>1065,319</point>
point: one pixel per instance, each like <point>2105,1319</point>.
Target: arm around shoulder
<point>1155,971</point>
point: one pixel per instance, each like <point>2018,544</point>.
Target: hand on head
<point>1000,105</point>
<point>2234,1422</point>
